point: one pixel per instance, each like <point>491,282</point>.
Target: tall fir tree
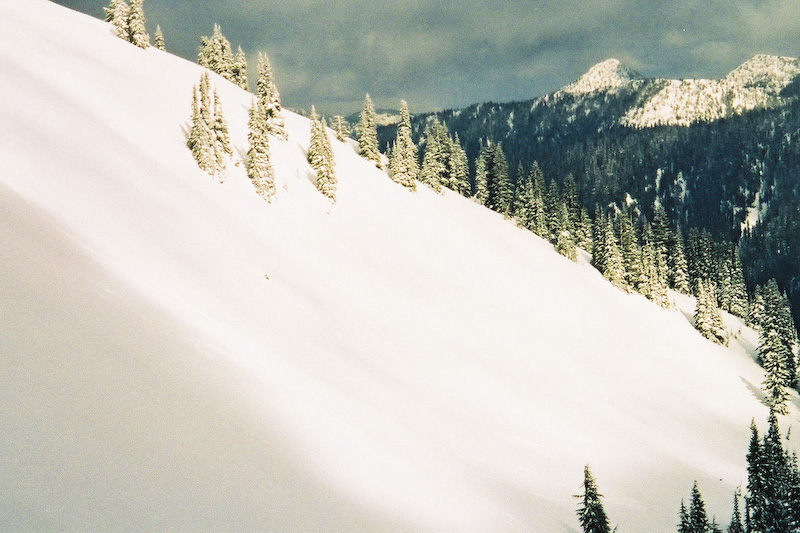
<point>523,200</point>
<point>599,251</point>
<point>572,201</point>
<point>137,33</point>
<point>565,243</point>
<point>459,165</point>
<point>239,69</point>
<point>117,14</point>
<point>201,137</point>
<point>736,525</point>
<point>552,208</point>
<point>591,515</point>
<point>367,134</point>
<point>653,280</point>
<point>404,164</point>
<point>159,39</point>
<point>320,157</point>
<point>434,168</point>
<point>341,127</point>
<point>629,248</point>
<point>614,267</point>
<point>707,319</point>
<point>678,269</point>
<point>222,141</point>
<point>269,99</point>
<point>698,519</point>
<point>258,164</point>
<point>481,188</point>
<point>538,215</point>
<point>684,522</point>
<point>584,230</point>
<point>738,296</point>
<point>498,189</point>
<point>756,481</point>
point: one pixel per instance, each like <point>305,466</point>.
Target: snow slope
<point>178,354</point>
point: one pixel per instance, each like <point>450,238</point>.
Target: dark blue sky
<point>438,54</point>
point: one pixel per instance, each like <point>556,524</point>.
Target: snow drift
<point>179,354</point>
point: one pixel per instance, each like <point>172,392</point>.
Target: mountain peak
<point>608,74</point>
<point>768,71</point>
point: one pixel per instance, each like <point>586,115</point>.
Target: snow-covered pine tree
<point>159,39</point>
<point>498,189</point>
<point>137,32</point>
<point>662,235</point>
<point>523,199</point>
<point>404,165</point>
<point>552,200</point>
<point>591,515</point>
<point>117,14</point>
<point>698,519</point>
<point>599,241</point>
<point>239,69</point>
<point>738,291</point>
<point>569,194</point>
<point>459,168</point>
<point>736,525</point>
<point>775,360</point>
<point>583,230</point>
<point>368,135</point>
<point>538,214</point>
<point>215,54</point>
<point>481,190</point>
<point>756,315</point>
<point>780,511</point>
<point>614,266</point>
<point>341,127</point>
<point>320,157</point>
<point>258,165</point>
<point>684,523</point>
<point>565,245</point>
<point>678,270</point>
<point>707,319</point>
<point>222,141</point>
<point>652,282</point>
<point>269,98</point>
<point>201,139</point>
<point>629,248</point>
<point>756,482</point>
<point>435,162</point>
<point>659,286</point>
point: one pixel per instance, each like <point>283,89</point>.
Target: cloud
<point>442,53</point>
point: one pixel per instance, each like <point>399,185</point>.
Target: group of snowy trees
<point>208,137</point>
<point>772,501</point>
<point>216,55</point>
<point>443,162</point>
<point>129,23</point>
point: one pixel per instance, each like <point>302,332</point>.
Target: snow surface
<point>178,354</point>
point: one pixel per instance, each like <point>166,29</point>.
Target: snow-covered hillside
<point>178,354</point>
<point>755,84</point>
